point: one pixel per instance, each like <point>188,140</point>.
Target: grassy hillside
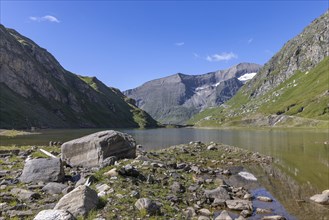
<point>301,100</point>
<point>124,106</point>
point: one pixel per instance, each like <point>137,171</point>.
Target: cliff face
<point>174,99</point>
<point>37,91</point>
<point>301,53</point>
<point>290,90</point>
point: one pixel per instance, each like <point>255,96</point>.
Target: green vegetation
<point>14,133</point>
<point>302,100</point>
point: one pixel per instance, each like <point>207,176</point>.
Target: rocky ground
<point>189,181</point>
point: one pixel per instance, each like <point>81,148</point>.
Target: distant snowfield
<point>247,76</point>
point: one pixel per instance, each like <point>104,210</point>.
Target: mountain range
<point>176,98</point>
<point>36,91</point>
<point>292,89</point>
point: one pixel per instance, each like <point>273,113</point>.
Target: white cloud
<point>270,52</point>
<point>48,18</point>
<point>220,57</point>
<point>196,55</point>
<point>250,40</point>
<point>179,44</point>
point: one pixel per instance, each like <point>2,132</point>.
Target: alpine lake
<point>299,171</point>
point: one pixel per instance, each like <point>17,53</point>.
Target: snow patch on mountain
<point>247,76</point>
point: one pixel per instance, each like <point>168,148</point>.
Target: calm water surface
<point>300,153</point>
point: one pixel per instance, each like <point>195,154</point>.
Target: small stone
<point>181,166</point>
<point>54,188</point>
<point>264,199</point>
<point>68,189</point>
<point>110,173</point>
<point>321,198</point>
<point>25,194</point>
<point>189,212</point>
<point>135,194</point>
<point>102,189</point>
<point>247,196</point>
<point>246,213</point>
<point>274,217</point>
<point>177,187</point>
<point>204,212</point>
<point>224,216</point>
<point>219,193</point>
<point>19,214</point>
<point>109,161</point>
<point>146,204</point>
<point>239,204</point>
<point>263,211</point>
<point>51,214</point>
<point>212,147</point>
<point>193,188</point>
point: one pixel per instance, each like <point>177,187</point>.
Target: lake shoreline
<point>176,178</point>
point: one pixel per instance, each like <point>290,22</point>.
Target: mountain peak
<point>175,98</point>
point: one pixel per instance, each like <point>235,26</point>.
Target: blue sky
<point>126,43</point>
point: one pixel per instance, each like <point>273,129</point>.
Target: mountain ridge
<point>36,91</point>
<point>175,98</point>
<point>290,90</point>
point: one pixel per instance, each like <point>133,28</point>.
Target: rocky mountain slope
<point>174,99</point>
<point>37,91</point>
<point>291,89</point>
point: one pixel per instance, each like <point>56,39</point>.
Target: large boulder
<point>79,201</point>
<point>43,169</point>
<point>93,149</point>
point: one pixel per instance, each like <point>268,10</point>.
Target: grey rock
<point>223,216</point>
<point>46,170</point>
<point>19,214</point>
<point>189,212</point>
<point>193,188</point>
<point>204,212</point>
<point>177,187</point>
<point>218,193</point>
<point>93,149</point>
<point>147,204</point>
<point>24,194</point>
<point>108,161</point>
<point>102,189</point>
<point>321,198</point>
<point>111,172</point>
<point>131,171</point>
<point>68,189</point>
<point>239,204</point>
<point>79,201</point>
<point>51,214</point>
<point>135,194</point>
<point>212,147</point>
<point>246,213</point>
<point>274,217</point>
<point>263,211</point>
<point>54,188</point>
<point>264,199</point>
<point>4,207</point>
